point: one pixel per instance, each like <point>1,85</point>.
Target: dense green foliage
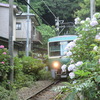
<point>86,84</point>
<point>85,65</point>
<point>4,64</point>
<point>66,8</point>
<point>65,12</point>
<point>84,10</point>
<point>26,71</point>
<point>47,32</point>
<point>7,95</point>
<point>31,66</point>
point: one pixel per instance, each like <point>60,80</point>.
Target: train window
<point>57,48</point>
<point>62,47</point>
<point>54,49</point>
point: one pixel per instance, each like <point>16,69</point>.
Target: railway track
<point>47,93</point>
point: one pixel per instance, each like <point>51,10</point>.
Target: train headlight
<point>56,64</point>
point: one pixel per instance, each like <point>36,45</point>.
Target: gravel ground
<point>25,92</point>
<point>50,93</point>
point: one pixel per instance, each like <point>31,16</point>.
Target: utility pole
<point>57,23</point>
<point>11,45</point>
<point>27,40</point>
<point>92,8</point>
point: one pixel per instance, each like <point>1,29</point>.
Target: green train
<point>56,54</point>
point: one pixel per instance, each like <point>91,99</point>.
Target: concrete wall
<point>4,23</point>
<point>22,34</point>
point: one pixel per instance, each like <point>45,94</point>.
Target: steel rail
<point>54,83</point>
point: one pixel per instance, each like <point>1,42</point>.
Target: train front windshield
<point>57,48</point>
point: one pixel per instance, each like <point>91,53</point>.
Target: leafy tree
<point>47,32</point>
<point>62,9</point>
<point>4,1</point>
<point>84,10</point>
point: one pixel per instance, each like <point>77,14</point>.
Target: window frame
<point>18,26</point>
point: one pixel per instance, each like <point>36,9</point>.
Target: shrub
<point>21,54</point>
<point>45,75</point>
<point>7,95</point>
<point>4,63</point>
<point>86,59</point>
<point>20,78</point>
<point>17,66</point>
<point>32,66</point>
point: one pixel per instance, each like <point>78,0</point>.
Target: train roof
<point>62,38</point>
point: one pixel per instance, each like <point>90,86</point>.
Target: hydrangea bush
<point>84,66</point>
<point>4,63</point>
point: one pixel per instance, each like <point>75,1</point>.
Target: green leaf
<point>71,95</point>
<point>82,73</point>
<point>93,45</point>
<point>97,79</point>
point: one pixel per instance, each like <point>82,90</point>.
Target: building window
<point>18,26</point>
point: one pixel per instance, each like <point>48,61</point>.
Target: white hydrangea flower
<point>82,22</point>
<point>97,37</point>
<point>78,55</point>
<point>71,75</point>
<point>80,35</point>
<point>94,19</point>
<point>77,20</point>
<point>69,54</point>
<point>63,68</point>
<point>87,19</point>
<point>95,48</point>
<point>71,67</point>
<point>94,23</point>
<point>79,63</point>
<point>97,15</point>
<point>72,61</point>
<point>75,40</point>
<point>70,46</point>
<point>74,81</point>
<point>86,28</point>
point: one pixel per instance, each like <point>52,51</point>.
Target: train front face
<point>56,67</point>
<point>57,58</point>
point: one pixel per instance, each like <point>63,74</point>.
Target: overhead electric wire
<point>36,12</point>
<point>49,8</point>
